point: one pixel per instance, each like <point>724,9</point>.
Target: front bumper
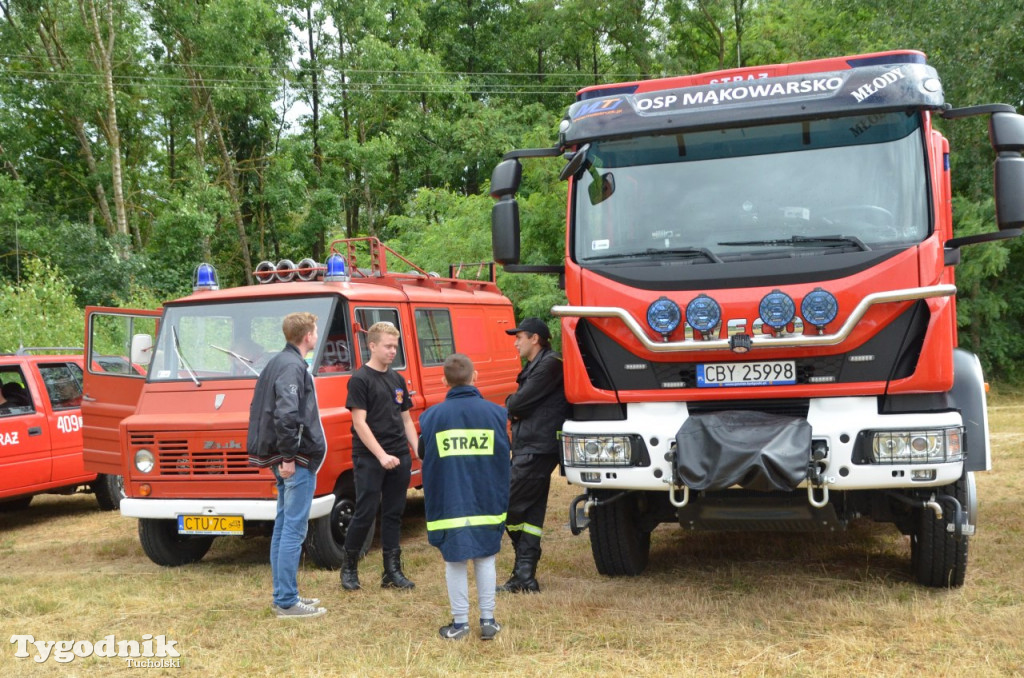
<point>250,509</point>
<point>836,421</point>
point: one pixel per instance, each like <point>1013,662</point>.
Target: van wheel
<point>19,504</point>
<point>164,546</point>
<point>938,559</point>
<point>109,491</point>
<point>325,542</point>
<point>620,547</point>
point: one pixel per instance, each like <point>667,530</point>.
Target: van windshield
<point>228,340</point>
<point>814,187</point>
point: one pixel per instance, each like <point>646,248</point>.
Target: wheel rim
<point>341,517</point>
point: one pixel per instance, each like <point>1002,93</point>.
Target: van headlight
<point>599,450</point>
<point>144,460</point>
<point>930,446</point>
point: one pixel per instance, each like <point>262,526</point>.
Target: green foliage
<point>41,310</point>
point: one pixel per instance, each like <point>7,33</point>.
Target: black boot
<point>524,576</point>
<point>350,571</point>
<point>393,577</point>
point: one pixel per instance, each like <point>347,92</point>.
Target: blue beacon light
<point>819,308</point>
<point>336,270</point>
<point>703,314</point>
<point>777,310</point>
<point>204,278</point>
<point>663,316</point>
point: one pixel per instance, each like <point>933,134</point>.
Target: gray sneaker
<point>299,611</point>
<point>312,602</point>
<point>453,632</point>
<point>488,629</point>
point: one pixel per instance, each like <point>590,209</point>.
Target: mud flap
<point>755,450</point>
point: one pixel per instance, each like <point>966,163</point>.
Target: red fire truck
<point>761,326</point>
<point>178,432</point>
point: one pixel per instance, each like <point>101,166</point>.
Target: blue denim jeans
<point>294,498</point>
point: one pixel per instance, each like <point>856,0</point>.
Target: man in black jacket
<point>537,411</point>
<point>285,433</point>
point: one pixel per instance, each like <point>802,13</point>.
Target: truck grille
<point>200,454</point>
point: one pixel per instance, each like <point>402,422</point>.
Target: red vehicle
<point>178,434</point>
<point>761,322</point>
<point>41,430</point>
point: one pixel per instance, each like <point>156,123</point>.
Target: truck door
<point>61,398</point>
<point>113,380</point>
<point>24,436</point>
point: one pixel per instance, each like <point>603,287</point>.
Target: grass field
<point>837,604</point>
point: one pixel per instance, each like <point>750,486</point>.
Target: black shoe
<point>393,578</point>
<point>523,579</point>
<point>453,632</point>
<point>488,629</point>
<point>350,571</point>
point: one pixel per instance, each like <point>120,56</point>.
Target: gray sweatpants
<point>457,576</point>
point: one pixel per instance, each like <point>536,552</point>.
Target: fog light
<point>145,490</point>
<point>777,310</point>
<point>923,474</point>
<point>590,477</point>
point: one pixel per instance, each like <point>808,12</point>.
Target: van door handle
<point>35,431</point>
<point>88,398</point>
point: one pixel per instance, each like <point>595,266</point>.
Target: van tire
<point>938,559</point>
<point>164,546</point>
<point>325,541</point>
<point>619,545</point>
<point>109,491</point>
<point>19,504</point>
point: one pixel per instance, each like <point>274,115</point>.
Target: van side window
<point>337,353</point>
<point>15,396</point>
<point>63,384</point>
<point>435,335</point>
<point>367,317</point>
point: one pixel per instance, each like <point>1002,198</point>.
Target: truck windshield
<point>227,340</point>
<point>770,191</point>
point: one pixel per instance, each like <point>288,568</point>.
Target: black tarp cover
<point>755,450</point>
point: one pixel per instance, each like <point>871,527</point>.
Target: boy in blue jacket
<point>464,446</point>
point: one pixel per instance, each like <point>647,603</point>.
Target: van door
<point>25,461</point>
<point>113,380</point>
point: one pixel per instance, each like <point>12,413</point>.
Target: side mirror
<point>505,178</point>
<point>576,162</point>
<point>505,231</point>
<point>142,349</point>
<point>1006,132</point>
<point>602,186</point>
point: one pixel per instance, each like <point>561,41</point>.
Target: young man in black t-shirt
<point>382,434</point>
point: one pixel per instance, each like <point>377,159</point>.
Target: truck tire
<point>164,546</point>
<point>19,504</point>
<point>325,541</point>
<point>938,559</point>
<point>619,546</point>
<point>109,491</point>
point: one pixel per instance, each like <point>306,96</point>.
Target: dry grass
<point>719,605</point>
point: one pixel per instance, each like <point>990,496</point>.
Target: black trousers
<point>378,488</point>
<point>528,501</point>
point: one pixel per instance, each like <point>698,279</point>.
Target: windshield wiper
<point>177,352</point>
<point>804,241</point>
<point>685,252</point>
<point>241,358</point>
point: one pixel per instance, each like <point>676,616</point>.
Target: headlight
<point>584,450</point>
<point>777,309</point>
<point>916,447</point>
<point>144,461</point>
<point>663,316</point>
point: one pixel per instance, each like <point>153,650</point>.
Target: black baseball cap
<point>532,326</point>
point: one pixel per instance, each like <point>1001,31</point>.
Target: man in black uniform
<point>537,411</point>
<point>382,434</point>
